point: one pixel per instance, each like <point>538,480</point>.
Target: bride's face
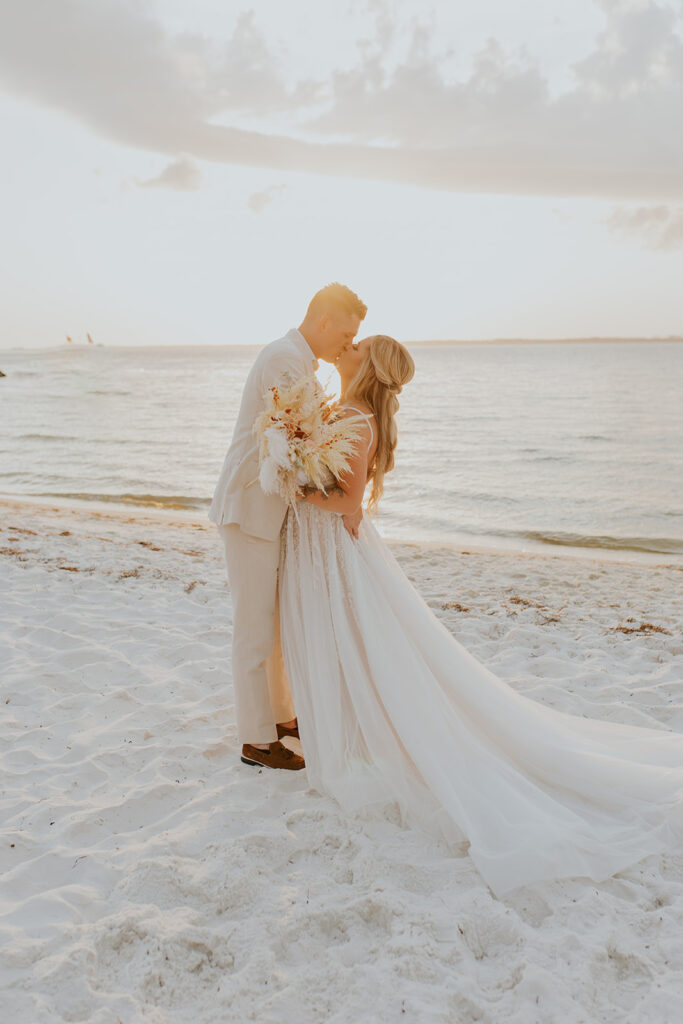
<point>348,363</point>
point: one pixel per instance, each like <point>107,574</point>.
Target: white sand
<point>150,876</point>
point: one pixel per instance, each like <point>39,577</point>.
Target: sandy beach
<point>148,875</point>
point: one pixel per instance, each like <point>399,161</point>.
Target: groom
<point>249,522</point>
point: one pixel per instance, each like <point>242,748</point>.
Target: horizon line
<point>588,339</point>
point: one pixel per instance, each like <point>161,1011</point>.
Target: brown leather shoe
<point>277,756</point>
<point>285,731</point>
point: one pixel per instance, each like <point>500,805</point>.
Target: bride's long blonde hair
<point>386,367</point>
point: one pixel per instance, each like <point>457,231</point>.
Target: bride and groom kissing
<point>333,645</point>
<point>250,521</point>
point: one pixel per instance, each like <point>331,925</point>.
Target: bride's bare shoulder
<point>356,407</point>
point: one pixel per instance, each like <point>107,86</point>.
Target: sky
<point>179,173</point>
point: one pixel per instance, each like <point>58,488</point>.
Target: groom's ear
<point>323,321</point>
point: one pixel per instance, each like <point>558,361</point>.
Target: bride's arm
<point>347,495</point>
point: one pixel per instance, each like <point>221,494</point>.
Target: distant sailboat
<point>82,344</point>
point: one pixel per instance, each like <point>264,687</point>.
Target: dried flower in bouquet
<point>304,439</point>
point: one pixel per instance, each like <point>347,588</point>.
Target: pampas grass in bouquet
<point>304,439</point>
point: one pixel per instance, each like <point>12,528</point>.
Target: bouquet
<point>303,439</point>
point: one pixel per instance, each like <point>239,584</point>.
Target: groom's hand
<point>351,523</point>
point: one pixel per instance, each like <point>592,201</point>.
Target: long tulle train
<point>393,709</point>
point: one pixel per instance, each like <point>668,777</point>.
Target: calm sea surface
<point>500,445</point>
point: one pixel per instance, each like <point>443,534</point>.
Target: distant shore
<point>545,341</point>
<point>411,342</point>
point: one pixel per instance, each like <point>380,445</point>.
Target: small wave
<point>47,437</point>
<point>657,545</point>
<point>110,391</point>
<point>553,458</point>
<point>480,497</point>
<point>540,456</point>
<point>177,501</point>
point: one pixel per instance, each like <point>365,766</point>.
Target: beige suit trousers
<point>262,693</point>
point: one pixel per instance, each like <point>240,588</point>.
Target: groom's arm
<point>278,369</point>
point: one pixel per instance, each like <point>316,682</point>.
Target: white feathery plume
<point>303,438</point>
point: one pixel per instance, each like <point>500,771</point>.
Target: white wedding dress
<point>393,710</point>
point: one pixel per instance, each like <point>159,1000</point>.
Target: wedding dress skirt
<point>393,710</point>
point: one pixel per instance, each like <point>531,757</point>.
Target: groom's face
<point>337,334</point>
<point>349,361</point>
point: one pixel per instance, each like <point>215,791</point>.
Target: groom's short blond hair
<point>336,298</point>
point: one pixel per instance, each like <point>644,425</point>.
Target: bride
<point>392,709</point>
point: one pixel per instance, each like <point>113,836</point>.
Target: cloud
<point>182,175</point>
<point>258,201</point>
<point>244,74</point>
<point>115,68</point>
<point>655,227</point>
<point>394,116</point>
<point>638,51</point>
<point>612,135</point>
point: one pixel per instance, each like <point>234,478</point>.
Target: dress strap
<point>366,416</point>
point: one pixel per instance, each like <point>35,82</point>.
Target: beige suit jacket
<point>237,499</point>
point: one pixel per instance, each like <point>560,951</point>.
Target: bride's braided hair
<point>386,367</point>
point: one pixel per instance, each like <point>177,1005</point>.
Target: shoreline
<point>119,512</point>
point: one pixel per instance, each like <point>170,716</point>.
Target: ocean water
<point>560,446</point>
